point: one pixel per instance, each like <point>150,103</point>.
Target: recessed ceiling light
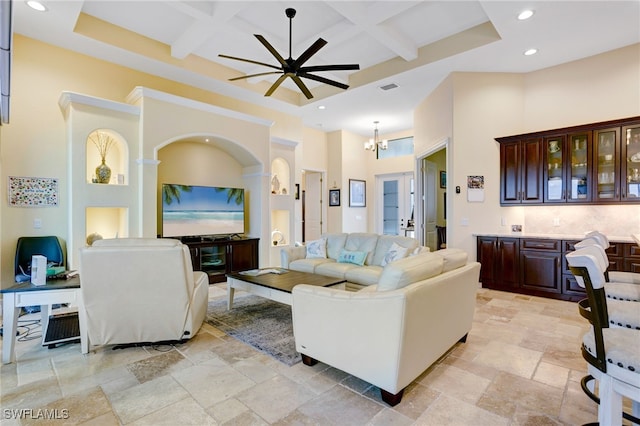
<point>530,52</point>
<point>525,14</point>
<point>36,5</point>
<point>206,139</point>
<point>321,107</point>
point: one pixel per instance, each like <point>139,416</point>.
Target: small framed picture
<point>357,193</point>
<point>443,179</point>
<point>334,197</point>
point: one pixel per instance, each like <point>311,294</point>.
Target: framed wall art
<point>33,192</point>
<point>443,179</point>
<point>357,193</point>
<point>334,197</point>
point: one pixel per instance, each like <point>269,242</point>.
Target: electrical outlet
<point>556,221</point>
<point>37,223</point>
<point>464,222</point>
<point>503,221</point>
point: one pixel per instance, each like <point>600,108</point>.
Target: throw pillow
<point>395,252</point>
<point>317,249</point>
<point>355,257</point>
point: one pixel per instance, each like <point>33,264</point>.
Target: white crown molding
<point>285,142</point>
<point>68,98</point>
<point>140,92</point>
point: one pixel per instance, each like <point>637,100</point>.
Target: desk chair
<point>48,246</point>
<point>612,354</point>
<point>26,247</point>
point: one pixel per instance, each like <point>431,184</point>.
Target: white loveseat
<point>375,251</point>
<point>389,333</point>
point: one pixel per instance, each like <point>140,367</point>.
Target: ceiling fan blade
<point>271,49</point>
<point>249,60</point>
<point>312,50</point>
<point>255,75</point>
<point>275,85</point>
<point>345,67</point>
<point>323,80</point>
<point>301,85</point>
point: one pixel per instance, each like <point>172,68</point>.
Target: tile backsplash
<point>614,221</point>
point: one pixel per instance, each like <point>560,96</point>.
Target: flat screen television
<point>197,211</point>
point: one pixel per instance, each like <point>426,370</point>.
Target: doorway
<point>394,215</point>
<point>312,205</point>
<point>432,210</point>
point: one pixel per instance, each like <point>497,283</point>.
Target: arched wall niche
<point>117,155</point>
<point>209,160</point>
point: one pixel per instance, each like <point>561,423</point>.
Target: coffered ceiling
<point>412,45</point>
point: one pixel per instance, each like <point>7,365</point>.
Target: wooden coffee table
<point>276,286</point>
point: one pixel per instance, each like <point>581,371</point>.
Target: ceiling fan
<point>293,68</point>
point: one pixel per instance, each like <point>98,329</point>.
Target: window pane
<point>397,148</point>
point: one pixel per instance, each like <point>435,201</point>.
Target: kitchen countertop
<point>613,239</point>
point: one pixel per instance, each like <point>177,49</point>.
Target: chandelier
<point>375,143</point>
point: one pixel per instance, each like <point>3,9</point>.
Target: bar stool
<point>617,276</point>
<point>612,354</point>
<point>614,287</point>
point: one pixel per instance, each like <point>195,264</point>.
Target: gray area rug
<point>264,324</point>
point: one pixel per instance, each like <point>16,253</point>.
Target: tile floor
<point>521,365</point>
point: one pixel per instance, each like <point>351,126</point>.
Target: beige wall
<point>34,143</point>
<point>468,109</point>
<point>482,106</point>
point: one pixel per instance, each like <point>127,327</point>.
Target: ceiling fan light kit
<point>293,68</point>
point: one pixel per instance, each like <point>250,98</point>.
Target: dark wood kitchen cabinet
<point>499,258</point>
<point>538,267</point>
<point>521,172</point>
<point>540,261</point>
<point>597,163</point>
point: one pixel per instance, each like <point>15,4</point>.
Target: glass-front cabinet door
<point>606,164</point>
<point>554,178</point>
<point>578,180</point>
<point>631,162</point>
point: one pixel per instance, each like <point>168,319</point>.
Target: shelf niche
<point>280,177</point>
<point>116,156</point>
<point>107,222</point>
<point>280,220</point>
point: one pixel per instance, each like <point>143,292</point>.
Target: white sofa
<point>141,290</point>
<point>375,247</point>
<point>389,333</point>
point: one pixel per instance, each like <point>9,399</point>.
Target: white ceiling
<point>401,42</point>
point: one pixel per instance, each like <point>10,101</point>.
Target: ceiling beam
<point>370,20</point>
<point>204,25</point>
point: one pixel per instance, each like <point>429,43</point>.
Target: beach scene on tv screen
<point>201,210</point>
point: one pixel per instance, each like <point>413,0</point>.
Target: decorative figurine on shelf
<point>103,143</point>
<point>91,238</point>
<point>275,184</point>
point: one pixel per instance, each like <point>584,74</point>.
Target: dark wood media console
<point>218,257</point>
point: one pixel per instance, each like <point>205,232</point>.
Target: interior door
<point>429,172</point>
<point>395,212</point>
<point>313,206</point>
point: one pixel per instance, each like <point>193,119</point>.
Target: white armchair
<point>138,290</point>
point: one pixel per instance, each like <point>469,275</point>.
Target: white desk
<point>26,294</point>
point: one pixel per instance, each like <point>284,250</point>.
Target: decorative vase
<point>103,173</point>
